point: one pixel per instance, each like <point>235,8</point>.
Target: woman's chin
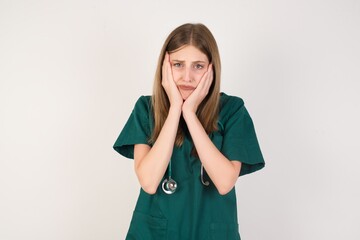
<point>185,94</point>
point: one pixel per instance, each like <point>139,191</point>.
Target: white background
<point>71,71</point>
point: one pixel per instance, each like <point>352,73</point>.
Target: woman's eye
<point>177,65</point>
<point>199,66</point>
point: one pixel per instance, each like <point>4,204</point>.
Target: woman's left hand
<point>197,96</point>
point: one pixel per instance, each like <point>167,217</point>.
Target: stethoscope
<point>169,185</point>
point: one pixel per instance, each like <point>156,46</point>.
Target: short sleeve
<point>240,142</point>
<point>136,129</point>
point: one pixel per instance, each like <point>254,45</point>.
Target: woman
<point>189,143</point>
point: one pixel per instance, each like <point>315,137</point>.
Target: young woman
<point>190,143</point>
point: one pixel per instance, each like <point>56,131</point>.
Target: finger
<point>167,67</point>
<point>164,66</point>
<point>169,70</point>
<point>203,81</point>
<point>210,67</point>
<point>211,75</point>
<point>208,78</point>
<point>207,74</point>
<point>166,59</point>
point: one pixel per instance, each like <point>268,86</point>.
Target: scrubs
<point>194,211</point>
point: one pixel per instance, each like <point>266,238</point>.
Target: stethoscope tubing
<point>169,185</point>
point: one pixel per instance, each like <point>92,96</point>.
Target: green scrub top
<point>194,211</point>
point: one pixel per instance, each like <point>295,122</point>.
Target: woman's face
<point>188,66</point>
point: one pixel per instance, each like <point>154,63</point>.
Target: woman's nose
<point>187,75</point>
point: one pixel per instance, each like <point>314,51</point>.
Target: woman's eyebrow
<point>182,61</point>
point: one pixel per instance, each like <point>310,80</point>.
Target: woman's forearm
<point>151,163</point>
<point>222,172</point>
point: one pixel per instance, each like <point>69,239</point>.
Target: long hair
<point>199,36</point>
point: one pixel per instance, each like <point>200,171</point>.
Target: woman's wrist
<point>188,115</point>
<point>175,110</point>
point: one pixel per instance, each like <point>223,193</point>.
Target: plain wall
<point>71,71</point>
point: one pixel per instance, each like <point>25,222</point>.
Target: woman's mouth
<point>186,87</point>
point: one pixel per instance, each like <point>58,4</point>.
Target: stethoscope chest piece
<point>169,186</point>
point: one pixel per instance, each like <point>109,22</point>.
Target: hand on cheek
<point>197,96</point>
<point>169,85</point>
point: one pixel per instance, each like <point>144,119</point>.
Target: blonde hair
<point>199,36</point>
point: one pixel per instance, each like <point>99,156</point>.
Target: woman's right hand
<point>151,162</point>
<point>169,85</point>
